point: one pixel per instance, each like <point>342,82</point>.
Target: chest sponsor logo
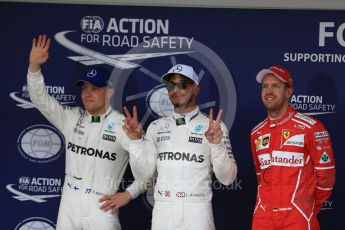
<point>110,128</point>
<point>286,134</point>
<point>181,156</point>
<point>92,152</point>
<point>296,140</point>
<point>281,158</point>
<point>263,142</point>
<point>197,140</point>
<point>198,128</point>
<point>109,137</point>
<point>265,160</point>
<point>287,159</point>
<point>163,138</point>
<point>164,128</point>
<point>78,131</point>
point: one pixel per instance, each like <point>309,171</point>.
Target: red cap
<point>280,72</point>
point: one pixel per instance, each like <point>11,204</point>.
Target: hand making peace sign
<point>132,126</point>
<point>214,134</point>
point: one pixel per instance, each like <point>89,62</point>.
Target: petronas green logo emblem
<point>324,158</point>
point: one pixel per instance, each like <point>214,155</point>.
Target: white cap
<point>184,70</point>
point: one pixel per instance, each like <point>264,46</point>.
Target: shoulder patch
<point>258,125</point>
<point>305,118</point>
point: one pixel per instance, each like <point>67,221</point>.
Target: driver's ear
<point>196,90</point>
<point>110,91</point>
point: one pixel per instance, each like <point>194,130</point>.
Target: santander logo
<point>281,158</point>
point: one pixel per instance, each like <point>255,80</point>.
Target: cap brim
<point>80,82</point>
<point>165,76</point>
<point>260,76</point>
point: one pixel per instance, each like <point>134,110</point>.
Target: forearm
<point>46,104</point>
<point>224,164</point>
<point>142,160</point>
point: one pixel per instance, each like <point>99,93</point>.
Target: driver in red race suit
<point>293,158</point>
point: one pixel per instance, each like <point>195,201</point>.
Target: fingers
<point>135,113</point>
<point>219,116</point>
<point>108,204</point>
<point>39,42</point>
<point>104,198</point>
<point>211,117</point>
<point>33,42</point>
<point>43,41</point>
<point>127,114</point>
<point>47,44</point>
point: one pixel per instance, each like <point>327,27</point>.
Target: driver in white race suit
<point>184,148</point>
<point>96,147</point>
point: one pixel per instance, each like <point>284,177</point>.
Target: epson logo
<point>109,137</point>
<point>197,140</point>
<point>163,138</point>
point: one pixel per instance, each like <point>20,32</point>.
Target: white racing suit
<point>184,161</point>
<point>96,159</point>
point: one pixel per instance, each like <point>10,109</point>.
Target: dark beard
<point>182,105</point>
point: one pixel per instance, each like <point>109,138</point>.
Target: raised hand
<point>132,126</point>
<point>214,134</point>
<point>39,52</point>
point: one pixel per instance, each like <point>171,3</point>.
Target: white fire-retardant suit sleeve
<point>136,188</point>
<point>51,109</point>
<point>143,155</point>
<point>223,161</point>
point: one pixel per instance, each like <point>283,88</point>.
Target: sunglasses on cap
<point>181,85</point>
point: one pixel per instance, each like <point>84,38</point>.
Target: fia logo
<point>92,24</point>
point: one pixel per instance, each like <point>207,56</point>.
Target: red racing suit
<point>295,168</point>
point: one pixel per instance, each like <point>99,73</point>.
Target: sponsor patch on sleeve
<point>321,134</point>
<point>305,118</point>
<point>324,158</point>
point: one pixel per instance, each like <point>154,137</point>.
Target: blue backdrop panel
<point>227,47</point>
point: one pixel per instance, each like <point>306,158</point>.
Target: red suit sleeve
<point>321,153</point>
<point>255,158</point>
